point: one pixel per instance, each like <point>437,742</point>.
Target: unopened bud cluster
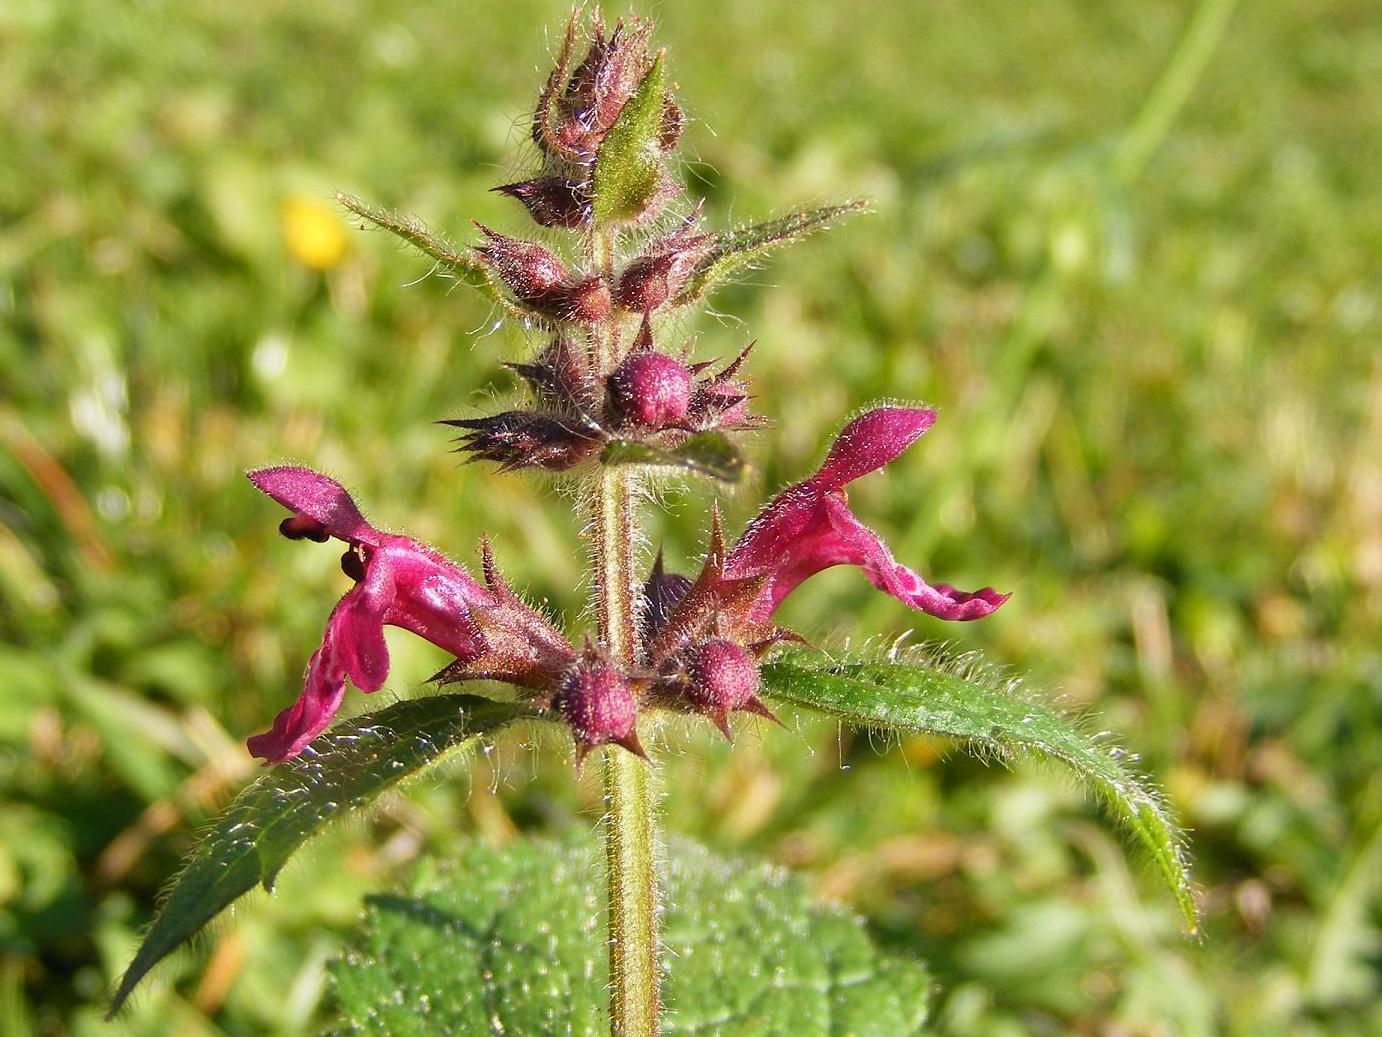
<point>586,394</point>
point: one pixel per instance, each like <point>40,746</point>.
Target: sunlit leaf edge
<point>368,754</point>
<point>948,696</point>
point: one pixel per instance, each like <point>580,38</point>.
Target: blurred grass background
<point>1151,332</point>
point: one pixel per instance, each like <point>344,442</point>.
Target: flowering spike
<point>604,124</point>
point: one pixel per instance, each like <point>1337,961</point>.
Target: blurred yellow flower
<point>313,232</point>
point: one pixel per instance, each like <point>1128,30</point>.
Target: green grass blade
<point>737,249</point>
<point>342,771</point>
<point>916,693</point>
<point>462,263</point>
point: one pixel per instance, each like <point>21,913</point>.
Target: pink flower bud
<point>577,107</point>
<point>652,390</point>
<point>552,201</point>
<point>526,439</point>
<point>531,272</point>
<point>599,705</point>
<point>654,277</point>
<point>645,284</point>
<point>722,677</point>
<point>540,279</point>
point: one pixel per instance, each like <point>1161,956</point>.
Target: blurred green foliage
<point>1153,346</point>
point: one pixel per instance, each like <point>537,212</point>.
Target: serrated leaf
<point>465,266</point>
<point>513,942</point>
<point>736,249</point>
<point>706,453</point>
<point>628,167</point>
<point>967,701</point>
<point>341,771</point>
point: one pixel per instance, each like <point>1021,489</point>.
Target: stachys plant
<point>609,402</point>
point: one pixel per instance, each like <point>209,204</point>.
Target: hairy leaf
<point>736,249</point>
<point>342,770</point>
<point>513,942</point>
<point>462,263</point>
<point>628,167</point>
<point>706,453</point>
<point>965,700</point>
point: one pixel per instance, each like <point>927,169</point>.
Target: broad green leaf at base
<point>919,694</point>
<point>341,771</point>
<point>512,942</point>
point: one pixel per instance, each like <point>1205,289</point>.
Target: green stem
<point>633,1004</point>
<point>629,781</point>
<point>629,823</point>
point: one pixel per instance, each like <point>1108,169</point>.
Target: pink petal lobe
<point>856,544</point>
<point>809,528</point>
<point>355,631</point>
<point>871,441</point>
<point>323,688</point>
<point>352,646</point>
<point>320,498</point>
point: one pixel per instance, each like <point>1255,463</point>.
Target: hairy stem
<point>628,788</point>
<point>629,793</point>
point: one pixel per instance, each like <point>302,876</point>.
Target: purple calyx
<point>651,390</point>
<point>598,705</point>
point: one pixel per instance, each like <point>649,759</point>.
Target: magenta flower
<point>398,582</point>
<point>808,528</point>
<point>702,640</point>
